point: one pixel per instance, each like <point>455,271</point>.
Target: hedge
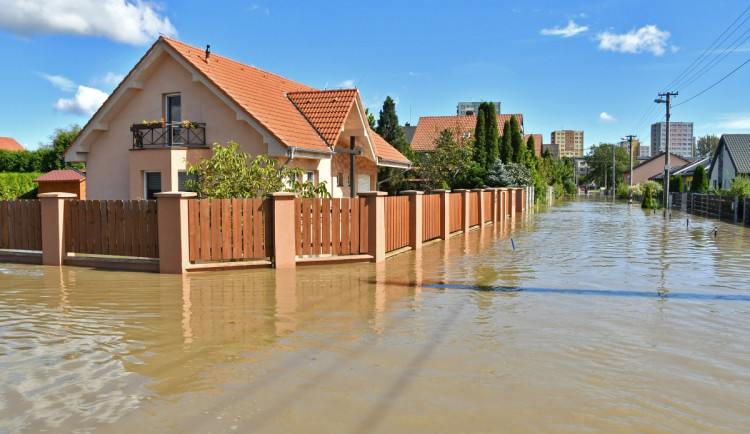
<point>18,185</point>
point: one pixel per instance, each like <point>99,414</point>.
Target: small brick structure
<point>63,181</point>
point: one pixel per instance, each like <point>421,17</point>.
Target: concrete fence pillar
<point>415,218</point>
<point>376,206</point>
<point>172,220</point>
<point>284,251</point>
<point>445,213</point>
<point>53,240</point>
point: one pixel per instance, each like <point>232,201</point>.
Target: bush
<point>676,185</point>
<point>700,181</point>
<point>740,187</point>
<point>18,185</point>
<point>623,191</point>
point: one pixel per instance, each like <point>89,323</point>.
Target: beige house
<point>178,100</point>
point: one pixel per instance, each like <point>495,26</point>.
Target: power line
<point>709,87</point>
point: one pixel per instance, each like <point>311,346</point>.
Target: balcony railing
<point>169,134</point>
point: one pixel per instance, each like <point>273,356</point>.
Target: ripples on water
<point>604,317</point>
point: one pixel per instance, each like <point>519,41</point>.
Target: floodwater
<point>604,317</point>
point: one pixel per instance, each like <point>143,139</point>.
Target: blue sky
<point>594,66</point>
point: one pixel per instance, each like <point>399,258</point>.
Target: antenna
<point>156,23</point>
<point>326,86</point>
<point>356,86</point>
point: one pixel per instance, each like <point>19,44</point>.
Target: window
<point>173,113</point>
<point>340,180</point>
<point>152,184</point>
<point>311,176</point>
<point>183,176</point>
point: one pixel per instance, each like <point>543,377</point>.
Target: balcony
<point>169,134</point>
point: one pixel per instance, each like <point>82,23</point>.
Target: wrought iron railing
<point>169,134</point>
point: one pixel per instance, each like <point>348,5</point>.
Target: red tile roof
<point>60,175</point>
<point>430,127</point>
<point>10,144</point>
<point>326,110</point>
<point>385,151</point>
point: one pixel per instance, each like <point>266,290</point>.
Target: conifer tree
<point>506,151</point>
<point>480,149</point>
<point>516,141</point>
<point>491,135</point>
<point>531,147</point>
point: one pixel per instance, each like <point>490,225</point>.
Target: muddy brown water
<point>605,317</point>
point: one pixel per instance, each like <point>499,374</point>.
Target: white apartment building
<point>472,108</point>
<point>680,138</point>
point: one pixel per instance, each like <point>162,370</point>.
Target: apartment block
<point>569,143</point>
<point>472,108</point>
<point>680,138</point>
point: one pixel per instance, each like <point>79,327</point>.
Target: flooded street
<point>604,317</point>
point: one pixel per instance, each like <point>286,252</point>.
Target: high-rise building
<point>625,144</point>
<point>569,143</point>
<point>680,138</point>
<point>472,108</point>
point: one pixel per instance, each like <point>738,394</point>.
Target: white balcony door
<point>173,108</point>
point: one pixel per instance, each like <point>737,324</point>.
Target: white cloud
<point>346,84</point>
<point>129,21</point>
<point>571,30</point>
<point>731,123</point>
<point>110,79</point>
<point>59,82</point>
<point>86,102</point>
<point>606,118</point>
<point>647,38</point>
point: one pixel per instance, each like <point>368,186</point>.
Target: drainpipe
<point>291,155</point>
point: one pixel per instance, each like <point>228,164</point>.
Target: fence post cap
<point>179,194</point>
<point>57,195</point>
<point>441,190</point>
<point>411,192</point>
<point>372,193</point>
<point>460,190</point>
<point>477,189</point>
<point>283,195</point>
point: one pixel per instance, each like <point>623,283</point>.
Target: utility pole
<point>630,194</point>
<point>661,100</point>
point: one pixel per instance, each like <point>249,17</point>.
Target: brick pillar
<point>376,216</point>
<point>172,220</point>
<point>284,252</point>
<point>53,241</point>
<point>415,218</point>
<point>445,213</point>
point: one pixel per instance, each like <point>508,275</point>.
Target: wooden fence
<point>456,220</point>
<point>331,226</point>
<point>111,227</point>
<point>487,195</point>
<point>432,219</point>
<point>21,225</point>
<point>396,222</point>
<point>474,208</point>
<point>229,229</point>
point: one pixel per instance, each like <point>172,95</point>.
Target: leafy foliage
<point>675,184</point>
<point>599,161</point>
<point>506,150</point>
<point>706,145</point>
<point>740,187</point>
<point>232,174</point>
<point>46,158</point>
<point>499,176</point>
<point>450,161</point>
<point>389,129</point>
<point>18,185</point>
<point>700,181</point>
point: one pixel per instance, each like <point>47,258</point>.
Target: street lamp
<point>661,100</point>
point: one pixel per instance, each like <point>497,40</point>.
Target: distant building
<point>538,139</point>
<point>680,138</point>
<point>625,144</point>
<point>568,142</point>
<point>472,108</point>
<point>653,166</point>
<point>10,144</point>
<point>430,127</point>
<point>581,168</point>
<point>409,131</point>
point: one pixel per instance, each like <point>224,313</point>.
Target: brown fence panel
<point>474,208</point>
<point>21,222</point>
<point>727,208</point>
<point>714,205</point>
<point>396,222</point>
<point>431,217</point>
<point>456,212</point>
<point>364,225</point>
<point>487,206</point>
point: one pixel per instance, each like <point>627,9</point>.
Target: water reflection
<point>601,315</point>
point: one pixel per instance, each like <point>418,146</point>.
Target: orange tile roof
<point>261,94</point>
<point>326,110</point>
<point>385,150</point>
<point>430,127</point>
<point>60,175</point>
<point>10,144</point>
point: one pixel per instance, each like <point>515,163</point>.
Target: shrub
<point>18,185</point>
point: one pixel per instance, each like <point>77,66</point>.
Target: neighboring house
<point>538,138</point>
<point>409,130</point>
<point>10,144</point>
<point>653,166</point>
<point>731,158</point>
<point>178,99</point>
<point>430,127</point>
<point>63,181</point>
<point>686,172</point>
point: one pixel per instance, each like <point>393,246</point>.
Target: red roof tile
<point>10,144</point>
<point>385,150</point>
<point>326,110</point>
<point>60,175</point>
<point>430,127</point>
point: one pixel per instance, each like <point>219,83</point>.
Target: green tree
<point>232,174</point>
<point>370,118</point>
<point>452,158</point>
<point>389,129</point>
<point>699,183</point>
<point>599,161</point>
<point>506,150</point>
<point>491,135</point>
<point>530,147</point>
<point>675,184</point>
<point>740,187</point>
<point>480,136</point>
<point>648,197</point>
<point>516,141</point>
<point>706,145</point>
